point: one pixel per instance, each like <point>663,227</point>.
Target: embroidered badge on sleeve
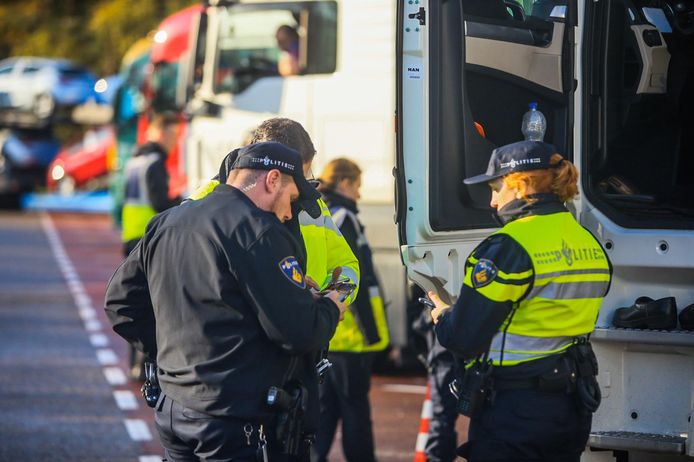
<point>483,273</point>
<point>292,270</point>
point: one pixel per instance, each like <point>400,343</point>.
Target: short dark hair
<point>164,119</point>
<point>288,132</point>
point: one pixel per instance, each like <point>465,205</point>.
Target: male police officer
<point>214,292</point>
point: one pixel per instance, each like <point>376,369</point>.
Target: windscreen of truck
<point>261,40</point>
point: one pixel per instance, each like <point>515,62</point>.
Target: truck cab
<point>615,81</point>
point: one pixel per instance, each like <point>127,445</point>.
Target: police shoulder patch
<point>292,270</point>
<point>483,273</point>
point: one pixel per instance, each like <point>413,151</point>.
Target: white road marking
<point>115,375</point>
<point>98,340</point>
<point>106,356</point>
<point>404,388</point>
<point>83,300</point>
<point>87,313</point>
<point>149,459</point>
<point>125,399</point>
<point>93,325</point>
<point>138,430</point>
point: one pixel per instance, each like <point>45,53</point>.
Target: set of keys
<point>261,453</point>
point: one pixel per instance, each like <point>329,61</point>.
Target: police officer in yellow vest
<point>344,394</point>
<point>147,181</point>
<point>327,255</point>
<point>530,297</point>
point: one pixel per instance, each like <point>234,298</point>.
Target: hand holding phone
<point>347,293</point>
<point>339,286</point>
<point>336,297</point>
<point>425,301</point>
<point>439,306</point>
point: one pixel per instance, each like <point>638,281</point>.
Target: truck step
<point>643,336</point>
<point>650,442</point>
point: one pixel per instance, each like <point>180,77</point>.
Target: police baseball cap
<point>271,155</point>
<point>515,157</point>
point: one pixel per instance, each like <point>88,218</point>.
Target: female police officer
<point>531,295</point>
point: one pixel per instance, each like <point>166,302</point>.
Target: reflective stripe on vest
<point>521,348</point>
<point>326,249</point>
<point>571,276</point>
<point>137,208</point>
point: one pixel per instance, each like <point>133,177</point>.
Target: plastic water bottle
<point>534,124</point>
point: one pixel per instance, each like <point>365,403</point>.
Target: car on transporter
<point>84,164</point>
<point>35,91</point>
<point>24,156</point>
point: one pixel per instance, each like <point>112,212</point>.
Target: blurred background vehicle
<point>151,71</point>
<point>84,164</point>
<point>24,157</point>
<point>127,105</point>
<point>107,87</point>
<point>34,91</point>
<point>163,74</point>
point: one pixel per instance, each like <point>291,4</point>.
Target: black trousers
<point>345,396</point>
<point>528,426</point>
<point>190,436</point>
<point>442,440</point>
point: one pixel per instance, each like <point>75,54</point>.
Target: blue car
<point>24,158</point>
<point>33,91</point>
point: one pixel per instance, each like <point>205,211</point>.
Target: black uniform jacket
<point>228,314</point>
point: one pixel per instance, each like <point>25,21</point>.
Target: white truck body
<point>562,59</point>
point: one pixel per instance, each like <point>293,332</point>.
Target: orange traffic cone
<point>423,435</point>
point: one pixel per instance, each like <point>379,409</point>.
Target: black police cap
<point>271,155</point>
<point>515,157</point>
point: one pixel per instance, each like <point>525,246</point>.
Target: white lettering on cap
<point>514,163</point>
<point>275,163</point>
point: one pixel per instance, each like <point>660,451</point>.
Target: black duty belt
<point>562,385</point>
<point>516,384</point>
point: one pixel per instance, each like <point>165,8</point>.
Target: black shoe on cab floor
<point>647,313</point>
<point>686,317</point>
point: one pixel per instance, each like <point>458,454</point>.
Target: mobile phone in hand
<point>427,302</point>
<point>344,294</point>
<point>342,287</point>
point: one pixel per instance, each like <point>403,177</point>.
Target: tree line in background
<point>95,33</point>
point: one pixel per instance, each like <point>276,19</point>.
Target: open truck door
<point>615,80</point>
<point>466,74</point>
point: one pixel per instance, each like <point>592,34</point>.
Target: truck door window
<point>164,83</point>
<point>641,150</point>
<point>487,65</point>
<point>263,40</point>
